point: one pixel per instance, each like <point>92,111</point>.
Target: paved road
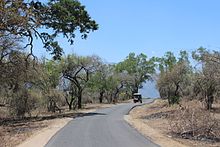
<point>103,128</point>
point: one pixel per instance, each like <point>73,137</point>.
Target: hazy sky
<point>149,26</point>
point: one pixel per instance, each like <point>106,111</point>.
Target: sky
<point>151,27</point>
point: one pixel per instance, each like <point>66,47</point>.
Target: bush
<point>53,100</point>
<point>191,121</point>
<point>22,102</point>
<point>173,100</point>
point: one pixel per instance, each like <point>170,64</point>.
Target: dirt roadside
<point>36,132</point>
<point>151,133</point>
<point>41,137</point>
<point>156,127</point>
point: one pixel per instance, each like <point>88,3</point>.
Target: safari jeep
<point>137,97</point>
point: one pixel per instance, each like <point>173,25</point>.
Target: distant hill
<point>149,90</point>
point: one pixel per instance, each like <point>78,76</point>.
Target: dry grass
<point>159,115</point>
<point>13,134</point>
<point>191,121</point>
<point>14,131</point>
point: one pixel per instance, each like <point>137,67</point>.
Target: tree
<point>8,46</point>
<point>166,62</point>
<point>170,83</point>
<point>53,71</point>
<point>139,68</point>
<point>49,74</point>
<point>17,76</point>
<point>174,76</point>
<point>78,71</point>
<point>207,80</point>
<point>29,19</point>
<point>99,81</point>
<point>19,82</point>
<point>107,82</point>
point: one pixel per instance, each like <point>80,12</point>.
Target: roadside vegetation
<point>182,83</point>
<point>171,126</point>
<point>188,110</point>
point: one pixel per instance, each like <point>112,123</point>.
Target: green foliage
<point>177,79</point>
<point>99,80</point>
<point>199,54</point>
<point>184,56</point>
<point>27,18</point>
<point>167,62</point>
<point>207,78</point>
<point>53,71</point>
<point>77,70</point>
<point>174,76</point>
<point>138,68</point>
<point>174,100</point>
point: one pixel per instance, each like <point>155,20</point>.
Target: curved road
<point>103,128</point>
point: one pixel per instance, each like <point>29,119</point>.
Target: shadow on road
<point>24,121</point>
<point>91,114</point>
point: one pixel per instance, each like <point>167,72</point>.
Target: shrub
<point>22,102</point>
<point>193,122</point>
<point>173,100</point>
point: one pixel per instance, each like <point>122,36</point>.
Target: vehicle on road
<point>137,98</point>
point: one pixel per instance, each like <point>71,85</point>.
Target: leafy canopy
<point>29,19</point>
<point>138,67</point>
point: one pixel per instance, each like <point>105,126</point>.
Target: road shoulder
<point>40,137</point>
<point>133,118</point>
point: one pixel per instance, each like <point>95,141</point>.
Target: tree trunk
<point>135,89</point>
<point>176,91</point>
<point>209,98</point>
<point>110,98</point>
<point>209,102</point>
<point>101,97</point>
<point>115,96</point>
<point>70,104</point>
<point>80,101</point>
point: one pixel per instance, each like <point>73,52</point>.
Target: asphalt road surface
<point>102,128</point>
